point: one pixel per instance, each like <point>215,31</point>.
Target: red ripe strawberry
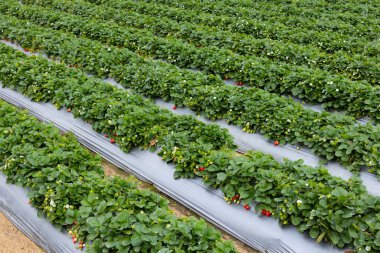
<point>174,107</point>
<point>115,134</point>
<point>237,196</point>
<point>276,143</point>
<point>106,135</point>
<point>268,213</point>
<point>75,240</point>
<point>201,169</point>
<point>264,212</point>
<point>112,140</point>
<point>26,50</point>
<point>247,207</point>
<point>69,110</point>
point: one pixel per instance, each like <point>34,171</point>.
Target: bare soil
<point>12,240</point>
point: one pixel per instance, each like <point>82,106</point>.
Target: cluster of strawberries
<point>74,238</point>
<point>248,207</point>
<point>112,140</point>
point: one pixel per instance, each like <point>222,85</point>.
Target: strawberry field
<point>262,67</point>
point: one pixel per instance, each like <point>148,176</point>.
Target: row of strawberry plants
<point>356,67</point>
<point>327,207</point>
<point>363,27</point>
<point>363,8</point>
<point>66,184</point>
<point>311,87</point>
<point>360,14</point>
<point>327,41</point>
<point>131,120</point>
<point>252,109</point>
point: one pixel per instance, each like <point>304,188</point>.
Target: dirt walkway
<point>12,240</point>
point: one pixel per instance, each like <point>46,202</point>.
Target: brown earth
<point>12,240</point>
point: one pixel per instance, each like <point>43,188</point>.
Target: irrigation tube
<point>261,233</point>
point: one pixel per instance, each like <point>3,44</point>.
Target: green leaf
<point>221,176</point>
<point>314,233</point>
<point>93,222</point>
<point>136,239</point>
<point>339,191</point>
<point>296,220</point>
<point>334,236</point>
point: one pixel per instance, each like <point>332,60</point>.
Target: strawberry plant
<point>327,41</point>
<point>357,67</point>
<point>326,207</point>
<point>295,16</point>
<point>248,108</point>
<point>290,192</point>
<point>358,99</point>
<point>67,185</point>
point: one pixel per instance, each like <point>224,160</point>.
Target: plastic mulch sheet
<point>14,205</point>
<point>248,141</point>
<point>262,233</point>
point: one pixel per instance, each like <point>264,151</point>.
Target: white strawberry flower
<point>368,248</point>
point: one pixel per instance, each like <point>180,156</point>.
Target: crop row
<point>327,41</point>
<point>356,67</point>
<point>331,136</point>
<point>335,92</point>
<point>327,207</point>
<point>68,186</point>
<point>357,9</point>
<point>279,13</point>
